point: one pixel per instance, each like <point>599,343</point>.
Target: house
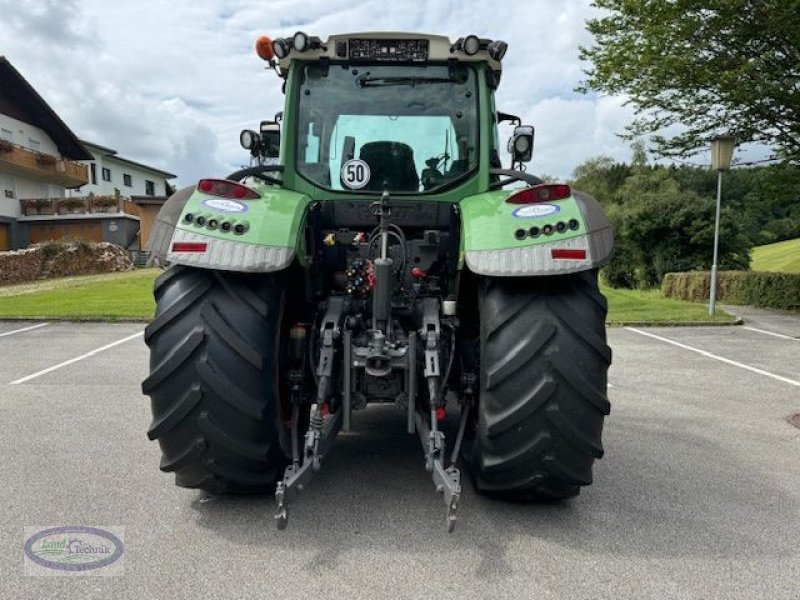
<point>38,153</point>
<point>53,185</point>
<point>111,175</point>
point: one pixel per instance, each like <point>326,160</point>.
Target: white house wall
<point>118,169</point>
<point>22,133</point>
<point>24,187</point>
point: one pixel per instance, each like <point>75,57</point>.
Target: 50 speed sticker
<point>355,174</point>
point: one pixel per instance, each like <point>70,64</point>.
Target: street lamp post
<point>721,153</point>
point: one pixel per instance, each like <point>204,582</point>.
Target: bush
<point>764,290</point>
<point>620,271</point>
<point>52,248</point>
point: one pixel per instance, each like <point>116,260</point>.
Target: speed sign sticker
<point>355,174</point>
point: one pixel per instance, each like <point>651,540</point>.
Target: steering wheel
<point>513,175</point>
<point>260,172</point>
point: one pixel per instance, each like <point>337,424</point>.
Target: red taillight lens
<point>189,246</point>
<point>227,189</point>
<point>568,253</point>
<point>546,192</point>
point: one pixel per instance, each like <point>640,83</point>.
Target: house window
<point>126,179</point>
<point>149,188</point>
<point>7,135</point>
<point>93,172</point>
<point>34,144</point>
<point>9,187</point>
<point>106,174</point>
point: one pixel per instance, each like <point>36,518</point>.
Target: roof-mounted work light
<point>497,49</point>
<point>301,42</point>
<point>281,48</point>
<point>471,45</point>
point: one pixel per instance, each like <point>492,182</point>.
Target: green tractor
<point>377,251</point>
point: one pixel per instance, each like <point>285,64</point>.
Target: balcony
<point>45,167</point>
<point>97,205</point>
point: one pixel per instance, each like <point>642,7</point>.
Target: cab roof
<point>391,47</point>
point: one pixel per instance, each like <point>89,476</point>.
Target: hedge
<point>754,288</point>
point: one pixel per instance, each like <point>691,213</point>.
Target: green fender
<point>256,236</point>
<point>553,238</point>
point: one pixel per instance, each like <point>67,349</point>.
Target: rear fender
<point>498,238</point>
<point>269,239</point>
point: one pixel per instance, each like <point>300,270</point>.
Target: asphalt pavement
<point>697,496</point>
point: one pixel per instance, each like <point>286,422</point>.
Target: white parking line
<point>779,335</point>
<point>74,360</point>
<point>716,357</point>
<point>4,334</point>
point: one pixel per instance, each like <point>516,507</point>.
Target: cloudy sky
<point>171,83</point>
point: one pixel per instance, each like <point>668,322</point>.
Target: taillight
<point>189,246</point>
<point>227,189</point>
<point>546,192</point>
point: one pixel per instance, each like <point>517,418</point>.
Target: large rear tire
<point>213,379</point>
<point>543,375</point>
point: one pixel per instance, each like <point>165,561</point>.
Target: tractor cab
<point>412,115</point>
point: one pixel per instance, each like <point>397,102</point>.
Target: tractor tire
<point>213,380</point>
<point>543,376</point>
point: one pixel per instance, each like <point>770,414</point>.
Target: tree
<point>600,177</point>
<point>712,66</point>
<point>661,223</point>
<point>667,228</point>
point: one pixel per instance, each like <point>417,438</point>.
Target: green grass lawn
<point>113,296</point>
<point>629,307</point>
<point>780,257</point>
<point>120,296</point>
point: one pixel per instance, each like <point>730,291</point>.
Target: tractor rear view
<point>374,252</point>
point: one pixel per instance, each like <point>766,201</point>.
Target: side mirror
<point>520,145</point>
<point>250,140</point>
<point>270,139</point>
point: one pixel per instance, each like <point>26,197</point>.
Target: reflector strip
<point>189,247</point>
<point>567,253</point>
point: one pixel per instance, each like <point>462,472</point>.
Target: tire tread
<point>543,369</point>
<point>213,379</point>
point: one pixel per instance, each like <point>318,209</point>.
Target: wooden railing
<point>58,171</point>
<point>78,206</point>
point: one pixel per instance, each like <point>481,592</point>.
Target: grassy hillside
<point>780,257</point>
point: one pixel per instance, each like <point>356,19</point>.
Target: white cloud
<point>172,84</point>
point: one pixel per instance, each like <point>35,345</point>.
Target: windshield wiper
<point>367,81</point>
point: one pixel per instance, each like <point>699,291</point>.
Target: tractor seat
<point>392,162</point>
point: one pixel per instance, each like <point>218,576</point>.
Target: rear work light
<point>227,189</point>
<point>189,246</point>
<point>546,192</point>
<point>568,254</point>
